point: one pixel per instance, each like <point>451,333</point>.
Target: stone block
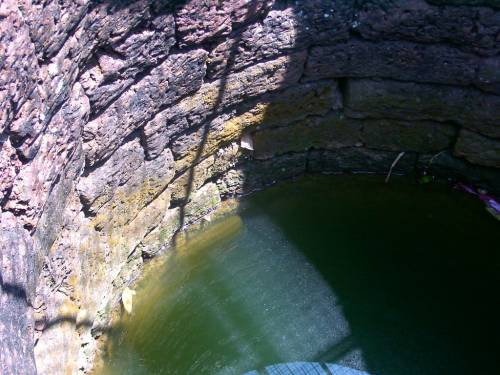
<point>160,237</point>
<point>469,107</point>
<point>202,21</point>
<point>478,149</point>
<point>330,132</point>
<point>283,30</point>
<point>175,78</point>
<point>280,109</point>
<point>124,184</point>
<point>219,96</point>
<point>471,28</point>
<point>397,135</point>
<point>491,3</point>
<point>59,149</point>
<point>445,165</point>
<point>403,61</point>
<point>254,175</point>
<point>17,264</point>
<point>335,131</point>
<point>114,69</point>
<point>359,160</point>
<point>201,202</point>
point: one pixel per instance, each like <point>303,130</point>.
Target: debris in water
<point>494,211</point>
<point>425,178</point>
<point>127,296</point>
<point>246,142</point>
<point>401,154</point>
<point>492,204</point>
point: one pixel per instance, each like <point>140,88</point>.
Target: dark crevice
<point>308,156</point>
<point>6,196</point>
<point>343,89</point>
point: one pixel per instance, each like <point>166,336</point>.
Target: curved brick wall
<point>121,123</point>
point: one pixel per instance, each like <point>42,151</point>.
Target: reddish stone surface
<point>102,103</point>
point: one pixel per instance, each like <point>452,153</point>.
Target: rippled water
<point>390,279</point>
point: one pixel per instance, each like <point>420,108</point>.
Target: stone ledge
<point>417,101</point>
<point>478,149</point>
<point>471,28</point>
<point>336,131</point>
<point>404,61</point>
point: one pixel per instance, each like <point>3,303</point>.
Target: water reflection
<point>307,368</point>
<point>227,306</point>
<point>362,276</point>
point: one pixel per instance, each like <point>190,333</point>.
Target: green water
<point>396,279</point>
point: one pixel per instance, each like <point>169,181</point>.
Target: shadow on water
<point>391,279</point>
<point>416,272</point>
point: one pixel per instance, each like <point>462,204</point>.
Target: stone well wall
<point>121,124</point>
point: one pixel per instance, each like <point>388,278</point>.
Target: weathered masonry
<point>121,123</point>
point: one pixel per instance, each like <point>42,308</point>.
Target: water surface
<point>392,279</point>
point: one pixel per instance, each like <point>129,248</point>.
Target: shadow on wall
<point>266,119</point>
<point>218,107</point>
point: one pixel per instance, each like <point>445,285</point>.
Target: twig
<point>393,165</point>
<point>435,156</point>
